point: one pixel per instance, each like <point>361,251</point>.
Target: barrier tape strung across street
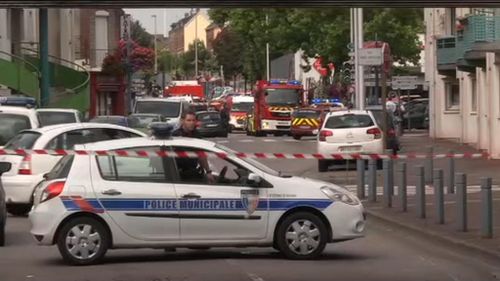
<point>203,154</point>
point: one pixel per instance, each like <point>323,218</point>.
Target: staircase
<point>69,82</point>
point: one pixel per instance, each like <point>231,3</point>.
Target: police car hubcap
<point>83,241</point>
<point>303,237</point>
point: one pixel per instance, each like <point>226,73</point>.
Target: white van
<point>171,110</point>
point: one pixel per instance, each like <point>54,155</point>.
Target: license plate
<point>212,125</point>
<point>350,148</point>
<point>283,123</point>
<point>305,127</point>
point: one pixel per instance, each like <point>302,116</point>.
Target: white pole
<point>356,57</point>
<point>267,53</point>
<point>361,68</point>
<point>154,40</point>
<point>165,33</point>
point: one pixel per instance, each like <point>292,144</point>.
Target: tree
<point>140,35</point>
<point>322,32</point>
<point>228,49</point>
<point>188,59</point>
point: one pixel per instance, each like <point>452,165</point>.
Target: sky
<point>162,23</point>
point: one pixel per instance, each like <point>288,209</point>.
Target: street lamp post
<point>154,38</point>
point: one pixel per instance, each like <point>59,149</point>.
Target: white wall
<point>469,116</point>
<point>66,42</point>
<point>494,104</point>
<point>4,32</point>
<point>30,18</point>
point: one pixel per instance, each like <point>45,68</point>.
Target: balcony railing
<point>446,50</point>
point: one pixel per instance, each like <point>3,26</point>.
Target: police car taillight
<point>25,166</point>
<point>52,190</point>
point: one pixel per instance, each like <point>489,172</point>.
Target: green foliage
<point>140,35</point>
<point>323,32</point>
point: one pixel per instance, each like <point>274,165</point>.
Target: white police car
<point>90,204</point>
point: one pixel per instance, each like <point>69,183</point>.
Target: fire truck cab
<point>274,102</point>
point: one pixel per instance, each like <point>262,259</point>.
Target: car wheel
<point>83,241</point>
<point>322,165</point>
<point>2,234</point>
<point>19,209</point>
<point>301,236</point>
<point>295,137</point>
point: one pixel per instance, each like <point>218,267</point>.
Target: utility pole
<point>156,51</point>
<point>267,52</point>
<point>357,16</point>
<point>128,93</point>
<point>196,45</point>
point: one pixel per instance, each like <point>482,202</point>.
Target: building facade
<point>463,71</point>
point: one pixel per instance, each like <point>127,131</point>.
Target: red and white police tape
<point>203,154</point>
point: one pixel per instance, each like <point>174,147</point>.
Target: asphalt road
<point>384,254</point>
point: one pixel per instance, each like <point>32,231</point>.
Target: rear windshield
<point>118,120</point>
<point>12,124</point>
<point>167,109</point>
<point>208,117</point>
<point>198,107</point>
<point>306,114</point>
<point>24,140</point>
<point>61,169</point>
<point>349,121</point>
<point>54,118</point>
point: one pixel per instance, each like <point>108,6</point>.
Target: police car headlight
<point>340,195</point>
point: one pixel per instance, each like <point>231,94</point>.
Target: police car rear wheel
<point>83,241</point>
<point>301,236</point>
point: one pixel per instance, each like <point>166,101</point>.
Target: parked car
<point>55,116</point>
<point>143,121</point>
<point>416,113</point>
<point>27,171</point>
<point>127,202</point>
<point>4,167</point>
<point>392,141</point>
<point>211,124</point>
<point>111,119</point>
<point>15,119</point>
<point>352,131</point>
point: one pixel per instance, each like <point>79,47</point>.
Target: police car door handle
<point>191,196</point>
<point>111,192</point>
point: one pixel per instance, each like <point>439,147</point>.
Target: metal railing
<point>20,74</point>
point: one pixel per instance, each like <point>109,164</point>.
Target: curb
<point>435,235</point>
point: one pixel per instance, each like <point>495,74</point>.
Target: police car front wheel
<point>83,241</point>
<point>301,236</point>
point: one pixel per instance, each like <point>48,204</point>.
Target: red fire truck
<point>274,102</point>
<point>185,88</point>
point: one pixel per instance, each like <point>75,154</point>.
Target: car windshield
<point>306,114</point>
<point>167,109</point>
<point>241,106</point>
<point>48,118</point>
<point>250,161</point>
<point>24,140</point>
<point>205,117</point>
<point>11,125</point>
<point>379,117</point>
<point>349,121</point>
<point>282,97</point>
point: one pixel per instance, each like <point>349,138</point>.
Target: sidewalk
<point>446,233</point>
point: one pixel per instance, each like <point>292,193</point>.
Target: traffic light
<point>348,72</point>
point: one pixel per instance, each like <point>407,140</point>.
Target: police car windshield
<point>11,125</point>
<point>282,97</point>
<point>167,109</point>
<point>241,106</point>
<point>250,161</point>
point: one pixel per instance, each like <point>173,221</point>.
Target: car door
<point>138,194</point>
<point>229,209</point>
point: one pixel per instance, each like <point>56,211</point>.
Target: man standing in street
<point>188,167</point>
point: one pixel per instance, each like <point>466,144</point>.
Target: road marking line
<point>269,140</point>
<point>254,277</point>
<point>246,140</point>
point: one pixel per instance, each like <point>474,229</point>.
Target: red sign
<point>319,67</point>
